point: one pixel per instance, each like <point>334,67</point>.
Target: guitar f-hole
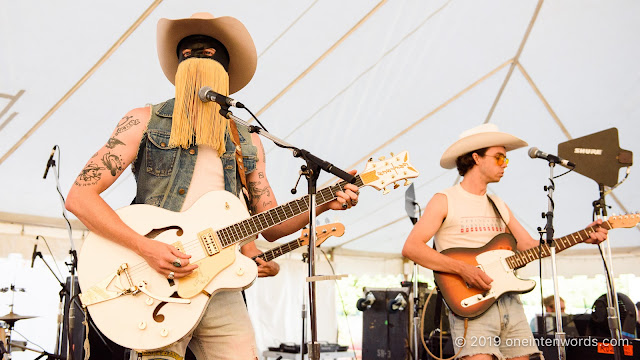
<point>156,232</point>
<point>159,317</point>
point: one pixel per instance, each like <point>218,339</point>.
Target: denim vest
<point>163,174</point>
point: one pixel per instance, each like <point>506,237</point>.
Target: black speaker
<point>77,329</point>
<point>599,324</point>
<point>385,332</point>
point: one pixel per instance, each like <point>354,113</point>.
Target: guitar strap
<point>239,162</point>
<point>500,215</point>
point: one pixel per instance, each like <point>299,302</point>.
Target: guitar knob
<point>479,297</point>
<point>142,325</point>
<point>149,301</point>
<point>240,272</point>
<point>164,332</point>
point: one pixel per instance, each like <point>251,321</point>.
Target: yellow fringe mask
<point>190,113</point>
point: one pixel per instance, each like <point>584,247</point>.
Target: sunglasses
<point>501,159</point>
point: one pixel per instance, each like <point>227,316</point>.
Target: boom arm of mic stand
<point>304,154</point>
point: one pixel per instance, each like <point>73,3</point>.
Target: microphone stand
<point>416,297</point>
<point>72,265</point>
<point>560,335</point>
<point>311,172</point>
<point>613,314</point>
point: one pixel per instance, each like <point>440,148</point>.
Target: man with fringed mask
<point>181,149</point>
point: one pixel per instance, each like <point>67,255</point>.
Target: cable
<point>29,341</point>
<point>424,343</point>
<point>344,309</point>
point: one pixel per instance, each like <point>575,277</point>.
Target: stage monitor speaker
<point>599,324</point>
<point>597,156</point>
<point>385,333</point>
<point>77,337</point>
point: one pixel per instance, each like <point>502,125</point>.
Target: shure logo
<point>587,151</point>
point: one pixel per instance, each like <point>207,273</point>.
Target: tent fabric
<point>347,81</point>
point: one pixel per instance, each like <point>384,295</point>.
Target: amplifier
<point>589,347</point>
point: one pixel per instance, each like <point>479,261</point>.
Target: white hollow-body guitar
<point>138,308</point>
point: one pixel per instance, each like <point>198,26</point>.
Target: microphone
<point>206,94</point>
<point>50,161</point>
<point>534,152</point>
<point>35,252</point>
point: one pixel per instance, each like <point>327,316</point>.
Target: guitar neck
<point>522,258</point>
<point>258,223</point>
<point>278,251</point>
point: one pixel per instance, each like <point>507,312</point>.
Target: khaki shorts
<point>224,333</point>
<point>502,331</point>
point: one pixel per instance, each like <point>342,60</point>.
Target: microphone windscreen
<point>532,152</point>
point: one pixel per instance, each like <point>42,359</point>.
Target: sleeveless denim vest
<point>163,174</point>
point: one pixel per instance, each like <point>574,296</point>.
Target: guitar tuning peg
<point>395,186</point>
<point>381,158</point>
<point>370,160</point>
<point>407,182</point>
<point>392,155</point>
<point>385,191</point>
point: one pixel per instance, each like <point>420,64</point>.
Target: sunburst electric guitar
<point>323,232</point>
<point>138,308</point>
<point>499,259</point>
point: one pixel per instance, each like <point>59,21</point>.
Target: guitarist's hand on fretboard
<point>265,269</point>
<point>599,235</point>
<point>474,277</point>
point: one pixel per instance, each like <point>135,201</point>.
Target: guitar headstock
<point>385,172</point>
<point>624,221</point>
<point>323,232</point>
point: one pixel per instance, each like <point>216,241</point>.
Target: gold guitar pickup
<point>209,242</point>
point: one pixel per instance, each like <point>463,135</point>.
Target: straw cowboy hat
<point>479,137</point>
<point>229,31</point>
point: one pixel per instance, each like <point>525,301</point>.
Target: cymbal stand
<point>613,313</point>
<point>311,172</point>
<point>549,232</point>
<point>11,322</point>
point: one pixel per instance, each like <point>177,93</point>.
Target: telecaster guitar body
<point>143,320</point>
<point>469,301</point>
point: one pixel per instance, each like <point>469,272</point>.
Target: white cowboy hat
<point>229,31</point>
<point>479,137</point>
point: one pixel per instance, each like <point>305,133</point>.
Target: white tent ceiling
<point>346,80</point>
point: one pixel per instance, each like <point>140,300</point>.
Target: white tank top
<point>207,176</point>
<point>471,220</point>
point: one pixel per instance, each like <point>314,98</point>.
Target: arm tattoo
<point>125,124</point>
<point>113,142</point>
<point>92,173</point>
<point>112,163</point>
<point>256,191</point>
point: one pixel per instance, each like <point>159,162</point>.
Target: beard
<point>196,122</point>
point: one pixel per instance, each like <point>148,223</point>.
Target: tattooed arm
<point>100,172</point>
<point>263,199</point>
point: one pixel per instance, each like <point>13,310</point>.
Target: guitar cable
<point>424,343</point>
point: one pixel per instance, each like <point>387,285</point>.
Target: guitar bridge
<point>100,292</point>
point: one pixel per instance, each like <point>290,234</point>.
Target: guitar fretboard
<point>257,223</point>
<point>280,250</point>
<point>522,258</point>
